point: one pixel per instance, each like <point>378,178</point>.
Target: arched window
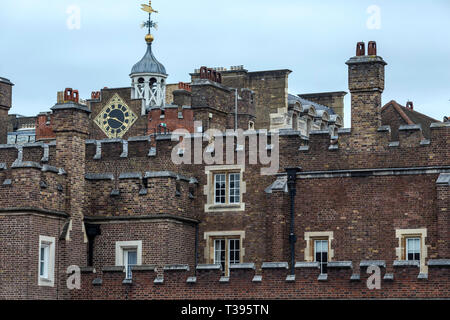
<point>141,80</point>
<point>153,83</point>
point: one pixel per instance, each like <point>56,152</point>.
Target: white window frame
<point>216,175</point>
<point>210,188</point>
<point>327,241</point>
<point>48,278</point>
<point>122,247</point>
<point>402,235</point>
<point>414,250</point>
<point>321,235</point>
<point>210,248</point>
<point>229,189</point>
<point>227,250</point>
<point>126,252</point>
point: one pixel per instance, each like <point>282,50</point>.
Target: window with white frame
<point>220,187</point>
<point>46,266</point>
<point>130,260</point>
<point>43,260</point>
<point>413,249</point>
<point>227,188</point>
<point>234,187</point>
<point>412,246</point>
<point>227,252</point>
<point>128,254</point>
<point>321,254</point>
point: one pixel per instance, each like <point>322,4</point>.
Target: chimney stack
<point>366,84</point>
<point>5,105</point>
<point>70,124</point>
<point>410,105</point>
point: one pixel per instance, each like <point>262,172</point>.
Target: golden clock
<point>116,118</point>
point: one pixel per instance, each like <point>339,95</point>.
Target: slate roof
<point>292,99</point>
<point>148,64</point>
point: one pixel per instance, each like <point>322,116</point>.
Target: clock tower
<point>148,76</point>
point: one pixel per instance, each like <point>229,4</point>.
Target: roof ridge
<point>398,108</point>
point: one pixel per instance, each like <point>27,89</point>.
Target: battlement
<point>28,185</point>
<point>330,152</point>
<point>129,193</point>
<point>271,281</point>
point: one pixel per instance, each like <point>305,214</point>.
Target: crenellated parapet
<point>40,152</point>
<point>133,194</point>
<point>271,280</point>
<point>338,152</point>
<point>28,185</point>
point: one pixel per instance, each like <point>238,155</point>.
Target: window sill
<point>45,282</point>
<point>224,207</point>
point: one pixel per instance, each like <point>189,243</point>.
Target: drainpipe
<point>291,182</point>
<point>196,249</point>
<point>236,110</point>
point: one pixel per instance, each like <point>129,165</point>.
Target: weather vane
<point>149,24</point>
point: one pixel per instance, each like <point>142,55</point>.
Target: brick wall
<point>164,241</point>
<point>44,128</point>
<point>272,286</point>
<point>19,254</point>
<point>173,118</point>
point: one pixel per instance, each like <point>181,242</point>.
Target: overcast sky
<point>41,54</point>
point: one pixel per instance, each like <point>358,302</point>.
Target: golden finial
<point>149,24</point>
<point>149,38</point>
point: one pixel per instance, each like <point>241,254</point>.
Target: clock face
<point>116,118</point>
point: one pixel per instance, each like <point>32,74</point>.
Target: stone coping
<point>242,266</point>
<point>406,263</point>
<point>176,267</point>
<point>368,263</point>
<point>275,265</point>
<point>209,267</point>
<point>143,268</point>
<point>70,105</point>
<point>413,127</point>
<point>130,175</point>
<point>300,265</point>
<point>340,264</point>
<point>439,262</point>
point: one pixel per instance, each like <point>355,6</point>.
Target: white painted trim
<point>124,245</point>
<point>209,256</point>
<point>50,280</point>
<point>321,234</point>
<point>402,233</point>
<point>208,189</point>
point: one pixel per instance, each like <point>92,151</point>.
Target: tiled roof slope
<point>409,116</point>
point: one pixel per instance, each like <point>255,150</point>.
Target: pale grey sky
<point>41,55</point>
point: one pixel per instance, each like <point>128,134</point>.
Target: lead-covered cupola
<point>148,76</point>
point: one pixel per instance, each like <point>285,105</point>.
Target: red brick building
<point>107,194</point>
